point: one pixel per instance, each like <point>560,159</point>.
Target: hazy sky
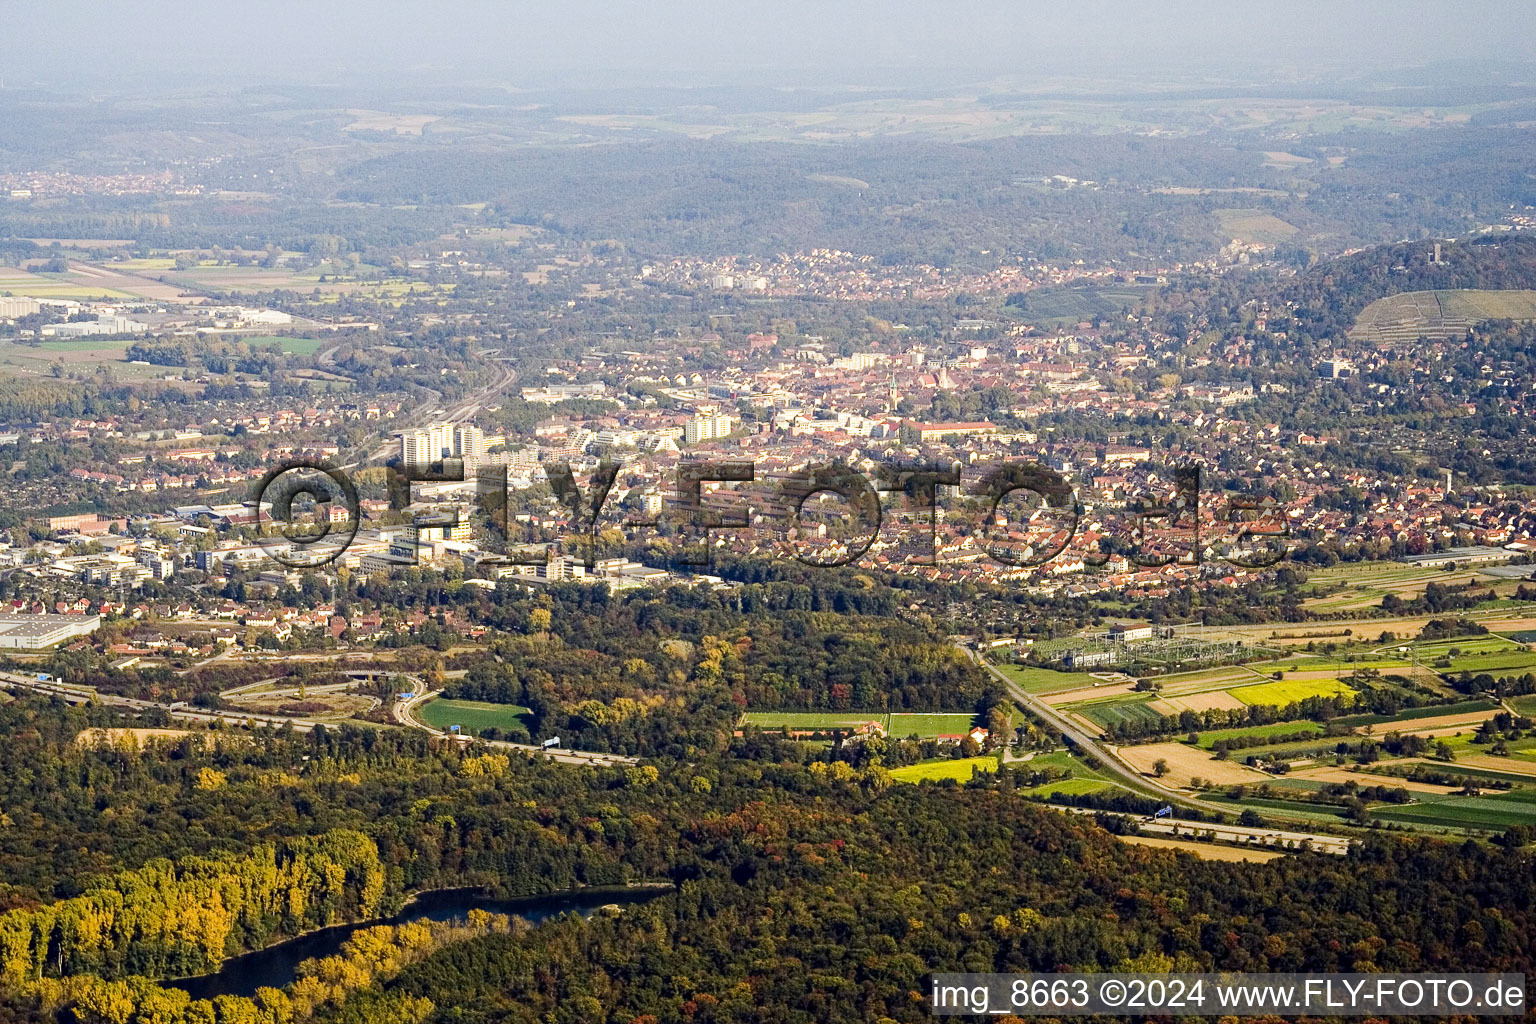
<point>605,42</point>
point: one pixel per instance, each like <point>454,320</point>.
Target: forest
<point>795,896</point>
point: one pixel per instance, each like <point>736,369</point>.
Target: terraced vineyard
<point>1442,315</point>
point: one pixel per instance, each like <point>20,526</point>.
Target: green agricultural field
<point>1492,813</point>
<point>1068,787</point>
<point>1070,305</point>
<point>1465,707</point>
<point>1044,680</point>
<point>298,346</point>
<point>1287,808</point>
<point>1083,779</point>
<point>1522,661</point>
<point>472,715</point>
<point>1288,691</point>
<point>799,720</point>
<point>1121,708</point>
<point>1470,771</point>
<point>899,725</point>
<point>1357,586</point>
<point>960,770</point>
<point>1524,705</point>
<point>1465,645</point>
<point>1210,739</point>
<point>1320,746</point>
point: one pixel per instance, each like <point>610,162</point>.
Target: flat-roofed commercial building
<point>35,632</point>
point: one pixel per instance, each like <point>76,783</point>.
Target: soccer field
<point>472,716</point>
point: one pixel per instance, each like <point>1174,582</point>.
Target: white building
<point>708,428</point>
<point>468,441</point>
<point>35,632</point>
<point>19,305</point>
<point>423,447</point>
<point>104,324</point>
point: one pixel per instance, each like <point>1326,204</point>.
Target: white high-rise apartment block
<point>423,447</point>
<point>442,441</point>
<point>708,428</point>
<point>468,441</point>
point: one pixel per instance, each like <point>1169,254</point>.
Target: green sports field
<point>472,715</point>
<point>926,726</point>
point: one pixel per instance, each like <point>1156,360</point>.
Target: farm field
<point>87,353</point>
<point>1113,710</point>
<point>1287,808</point>
<point>1086,694</point>
<point>1504,661</point>
<point>1210,739</point>
<point>1253,226</point>
<point>1500,620</point>
<point>1288,691</point>
<point>1068,787</point>
<point>1494,812</point>
<point>1205,851</point>
<point>1462,769</point>
<point>1365,584</point>
<point>1211,700</point>
<point>298,346</point>
<point>472,715</point>
<point>1334,773</point>
<point>1181,683</point>
<point>1044,680</point>
<point>55,286</point>
<point>959,769</point>
<point>1186,763</point>
<point>1070,305</point>
<point>900,725</point>
<point>1219,689</point>
<point>1413,715</point>
<point>1518,765</point>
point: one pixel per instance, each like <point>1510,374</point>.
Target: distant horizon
<point>613,44</point>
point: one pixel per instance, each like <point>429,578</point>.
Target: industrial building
<point>36,632</point>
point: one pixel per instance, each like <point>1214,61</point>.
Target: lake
<point>275,966</point>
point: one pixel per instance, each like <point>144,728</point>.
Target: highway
<point>400,711</point>
<point>1240,835</point>
<point>1244,836</point>
<point>1133,780</point>
<point>85,695</point>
